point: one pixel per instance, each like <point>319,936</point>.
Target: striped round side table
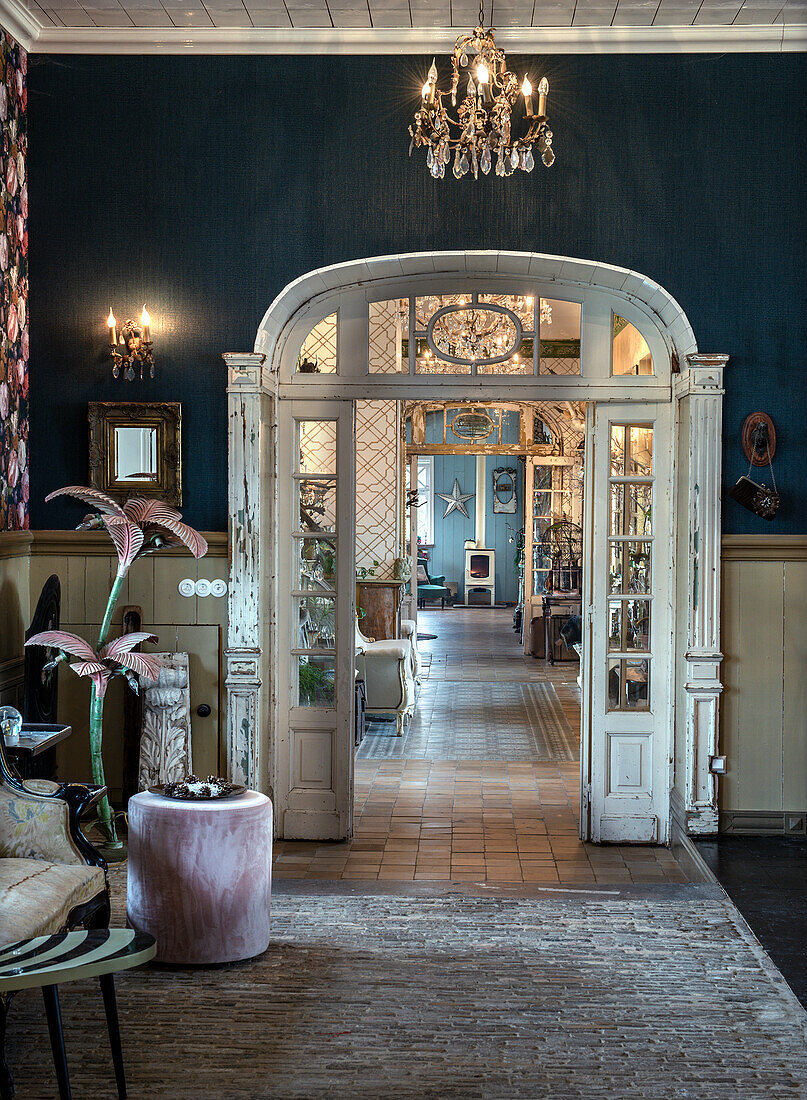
<point>47,961</point>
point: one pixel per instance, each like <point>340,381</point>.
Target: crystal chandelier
<point>474,332</point>
<point>484,123</point>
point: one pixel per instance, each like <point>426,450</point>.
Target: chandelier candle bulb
<point>430,86</point>
<point>113,339</point>
<point>526,89</point>
<point>543,92</point>
<point>145,321</point>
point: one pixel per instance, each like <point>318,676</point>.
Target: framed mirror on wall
<point>136,449</point>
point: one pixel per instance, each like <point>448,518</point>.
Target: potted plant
<point>138,527</point>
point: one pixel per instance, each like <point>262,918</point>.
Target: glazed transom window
<point>631,354</point>
<point>475,333</point>
<point>318,352</point>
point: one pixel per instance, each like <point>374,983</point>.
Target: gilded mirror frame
<point>104,417</point>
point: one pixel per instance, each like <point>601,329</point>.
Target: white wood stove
<point>480,576</point>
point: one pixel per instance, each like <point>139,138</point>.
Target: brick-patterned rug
<point>369,994</point>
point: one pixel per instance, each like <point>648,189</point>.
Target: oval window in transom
<point>474,333</point>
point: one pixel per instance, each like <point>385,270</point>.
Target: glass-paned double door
<point>626,682</point>
<point>315,626</point>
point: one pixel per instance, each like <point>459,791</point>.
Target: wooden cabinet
<point>381,603</point>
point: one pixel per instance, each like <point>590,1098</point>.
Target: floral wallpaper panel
<point>14,274</point>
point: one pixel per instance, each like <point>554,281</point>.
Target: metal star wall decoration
<point>455,500</point>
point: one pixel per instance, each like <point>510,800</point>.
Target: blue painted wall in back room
<point>204,184</point>
<point>448,554</point>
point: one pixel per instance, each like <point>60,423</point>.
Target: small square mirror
<point>135,454</point>
<point>135,449</point>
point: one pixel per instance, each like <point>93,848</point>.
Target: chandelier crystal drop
<point>484,128</point>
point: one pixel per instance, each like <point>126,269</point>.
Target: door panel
<point>316,620</point>
<point>629,623</point>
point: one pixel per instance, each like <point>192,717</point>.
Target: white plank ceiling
<point>411,14</point>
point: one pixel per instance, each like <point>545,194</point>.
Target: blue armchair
<point>430,588</point>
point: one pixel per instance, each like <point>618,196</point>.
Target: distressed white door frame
<point>586,652</point>
<point>252,596</point>
<point>263,382</point>
<point>698,392</point>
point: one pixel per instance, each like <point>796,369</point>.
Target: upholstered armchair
<point>429,587</point>
<point>51,877</point>
<point>387,670</point>
<point>409,631</point>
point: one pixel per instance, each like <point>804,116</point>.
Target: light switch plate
<point>203,587</point>
<point>218,587</point>
<point>187,587</point>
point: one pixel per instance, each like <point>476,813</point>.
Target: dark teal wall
<point>203,185</point>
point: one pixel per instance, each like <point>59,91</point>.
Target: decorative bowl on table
<point>194,789</point>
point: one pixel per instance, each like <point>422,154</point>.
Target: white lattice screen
<point>385,338</point>
<point>378,455</point>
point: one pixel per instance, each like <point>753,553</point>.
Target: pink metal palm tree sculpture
<point>140,526</point>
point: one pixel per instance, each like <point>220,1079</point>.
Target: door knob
<point>203,710</point>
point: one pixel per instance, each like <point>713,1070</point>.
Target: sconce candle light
<point>133,348</point>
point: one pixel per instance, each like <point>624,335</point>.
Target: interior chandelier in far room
<point>484,126</point>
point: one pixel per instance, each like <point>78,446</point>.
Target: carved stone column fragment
<point>166,754</point>
<point>251,398</point>
<point>702,387</point>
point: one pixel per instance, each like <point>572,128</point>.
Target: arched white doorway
<point>639,769</point>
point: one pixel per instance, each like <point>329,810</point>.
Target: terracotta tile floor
<point>470,821</point>
<point>504,821</point>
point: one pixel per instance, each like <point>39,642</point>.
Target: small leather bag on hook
<point>759,499</point>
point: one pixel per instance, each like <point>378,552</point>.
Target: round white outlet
<point>187,587</point>
<point>218,588</point>
<point>203,587</point>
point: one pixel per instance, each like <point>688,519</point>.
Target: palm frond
<point>126,642</point>
<point>142,510</point>
<point>87,668</point>
<point>127,537</point>
<point>192,539</point>
<point>94,497</point>
<point>69,643</point>
<point>144,664</point>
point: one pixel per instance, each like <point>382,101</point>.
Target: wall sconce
<point>132,348</point>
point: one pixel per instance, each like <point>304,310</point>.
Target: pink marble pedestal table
<point>200,876</point>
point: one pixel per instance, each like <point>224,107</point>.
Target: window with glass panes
<point>630,566</point>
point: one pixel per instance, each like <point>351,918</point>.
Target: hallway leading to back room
<point>484,785</point>
<point>481,698</point>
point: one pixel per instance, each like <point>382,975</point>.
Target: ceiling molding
<point>20,23</point>
<point>37,38</point>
